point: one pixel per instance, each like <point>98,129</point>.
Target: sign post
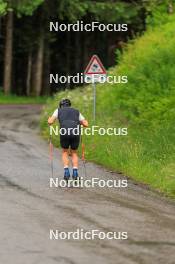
<point>94,88</point>
<point>94,73</point>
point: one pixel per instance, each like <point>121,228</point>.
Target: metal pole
<point>94,106</point>
<point>83,157</point>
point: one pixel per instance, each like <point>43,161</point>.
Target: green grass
<point>14,99</point>
<point>146,106</point>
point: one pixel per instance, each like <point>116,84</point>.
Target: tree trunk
<point>1,27</point>
<point>46,71</point>
<point>29,72</point>
<point>77,54</point>
<point>86,56</point>
<point>8,53</point>
<point>68,56</point>
<point>39,65</point>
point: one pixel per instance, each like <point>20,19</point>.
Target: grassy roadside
<point>145,106</point>
<point>145,154</point>
<point>14,99</point>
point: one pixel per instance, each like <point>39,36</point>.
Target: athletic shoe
<point>66,174</point>
<point>75,174</point>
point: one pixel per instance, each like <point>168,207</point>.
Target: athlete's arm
<point>52,118</point>
<point>84,123</point>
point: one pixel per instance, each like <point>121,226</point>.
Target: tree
<point>8,52</point>
<point>39,63</point>
<point>21,7</point>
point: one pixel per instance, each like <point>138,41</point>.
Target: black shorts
<point>71,141</point>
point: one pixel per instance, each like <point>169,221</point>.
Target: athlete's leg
<point>74,143</point>
<point>74,157</point>
<point>74,164</point>
<point>65,157</point>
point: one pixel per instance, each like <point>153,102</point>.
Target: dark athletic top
<point>68,117</point>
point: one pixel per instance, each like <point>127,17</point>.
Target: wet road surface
<point>29,209</point>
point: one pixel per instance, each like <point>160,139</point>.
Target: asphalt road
<point>29,209</point>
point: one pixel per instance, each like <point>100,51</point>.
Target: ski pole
<point>51,154</point>
<point>83,157</point>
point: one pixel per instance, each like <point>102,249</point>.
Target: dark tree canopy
<point>29,52</point>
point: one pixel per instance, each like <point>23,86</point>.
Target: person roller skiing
<point>70,120</point>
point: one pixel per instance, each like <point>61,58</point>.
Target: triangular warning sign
<point>95,66</point>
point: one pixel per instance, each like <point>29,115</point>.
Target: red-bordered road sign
<point>95,66</point>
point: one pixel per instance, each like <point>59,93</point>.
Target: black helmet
<point>64,103</point>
